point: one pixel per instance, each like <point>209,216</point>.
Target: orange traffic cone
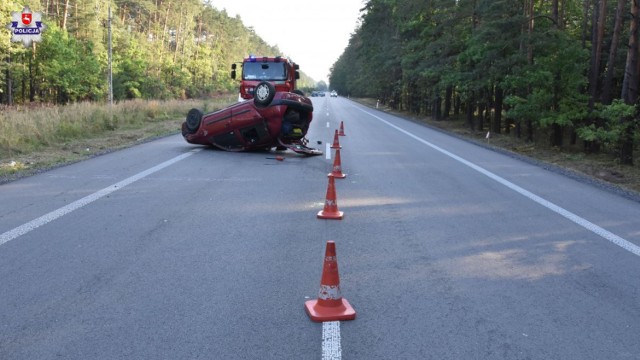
<point>337,167</point>
<point>341,133</point>
<point>330,306</point>
<point>336,142</point>
<point>330,210</point>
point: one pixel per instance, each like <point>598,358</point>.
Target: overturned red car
<point>271,119</point>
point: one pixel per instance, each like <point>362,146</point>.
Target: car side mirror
<point>297,75</point>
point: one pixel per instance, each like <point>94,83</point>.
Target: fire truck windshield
<point>264,71</point>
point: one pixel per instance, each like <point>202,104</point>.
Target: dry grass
<point>41,137</point>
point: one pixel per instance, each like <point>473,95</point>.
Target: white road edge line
<point>331,348</point>
<point>607,235</point>
<point>47,218</point>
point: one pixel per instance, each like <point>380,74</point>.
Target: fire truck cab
<point>282,73</point>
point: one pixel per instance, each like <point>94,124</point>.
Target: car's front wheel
<point>194,118</point>
<point>264,93</point>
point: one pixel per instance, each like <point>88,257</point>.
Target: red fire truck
<point>281,72</point>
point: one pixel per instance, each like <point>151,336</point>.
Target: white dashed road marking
<point>47,218</point>
<point>331,347</point>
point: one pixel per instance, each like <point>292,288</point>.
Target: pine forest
<point>564,72</point>
<point>162,49</point>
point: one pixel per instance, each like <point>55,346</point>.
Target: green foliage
<point>518,58</point>
<point>617,111</point>
<point>553,84</point>
<point>615,120</point>
<point>68,67</point>
<point>161,50</point>
<point>129,68</point>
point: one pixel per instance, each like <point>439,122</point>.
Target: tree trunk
<point>9,97</point>
<point>470,114</point>
<point>497,119</point>
<point>557,135</point>
<point>599,16</point>
<point>64,15</point>
<point>585,22</point>
<point>630,83</point>
<point>164,27</point>
<point>556,129</point>
<point>438,107</point>
<point>530,27</point>
<point>180,38</point>
<point>23,87</point>
<point>608,81</point>
<point>481,108</point>
<point>32,80</point>
<point>531,13</point>
<point>447,102</point>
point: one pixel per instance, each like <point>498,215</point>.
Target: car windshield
<point>264,71</point>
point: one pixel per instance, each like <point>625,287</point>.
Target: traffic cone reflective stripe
<point>336,142</point>
<point>341,133</point>
<point>337,167</point>
<point>330,294</point>
<point>330,210</point>
<point>330,306</point>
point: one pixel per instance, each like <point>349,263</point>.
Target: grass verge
<point>33,139</point>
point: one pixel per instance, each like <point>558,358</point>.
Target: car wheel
<point>299,92</point>
<point>264,93</point>
<point>194,118</point>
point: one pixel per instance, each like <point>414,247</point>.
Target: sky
<point>313,33</point>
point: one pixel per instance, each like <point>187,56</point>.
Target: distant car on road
<point>334,93</point>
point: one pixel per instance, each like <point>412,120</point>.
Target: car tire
<point>194,118</point>
<point>264,93</point>
<point>299,92</point>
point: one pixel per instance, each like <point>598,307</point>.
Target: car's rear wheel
<point>194,118</point>
<point>264,94</point>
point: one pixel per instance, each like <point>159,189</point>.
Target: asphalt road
<point>447,250</point>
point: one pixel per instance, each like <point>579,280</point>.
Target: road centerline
<point>53,215</point>
<point>331,346</point>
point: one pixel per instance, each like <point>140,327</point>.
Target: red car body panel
<point>248,126</point>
